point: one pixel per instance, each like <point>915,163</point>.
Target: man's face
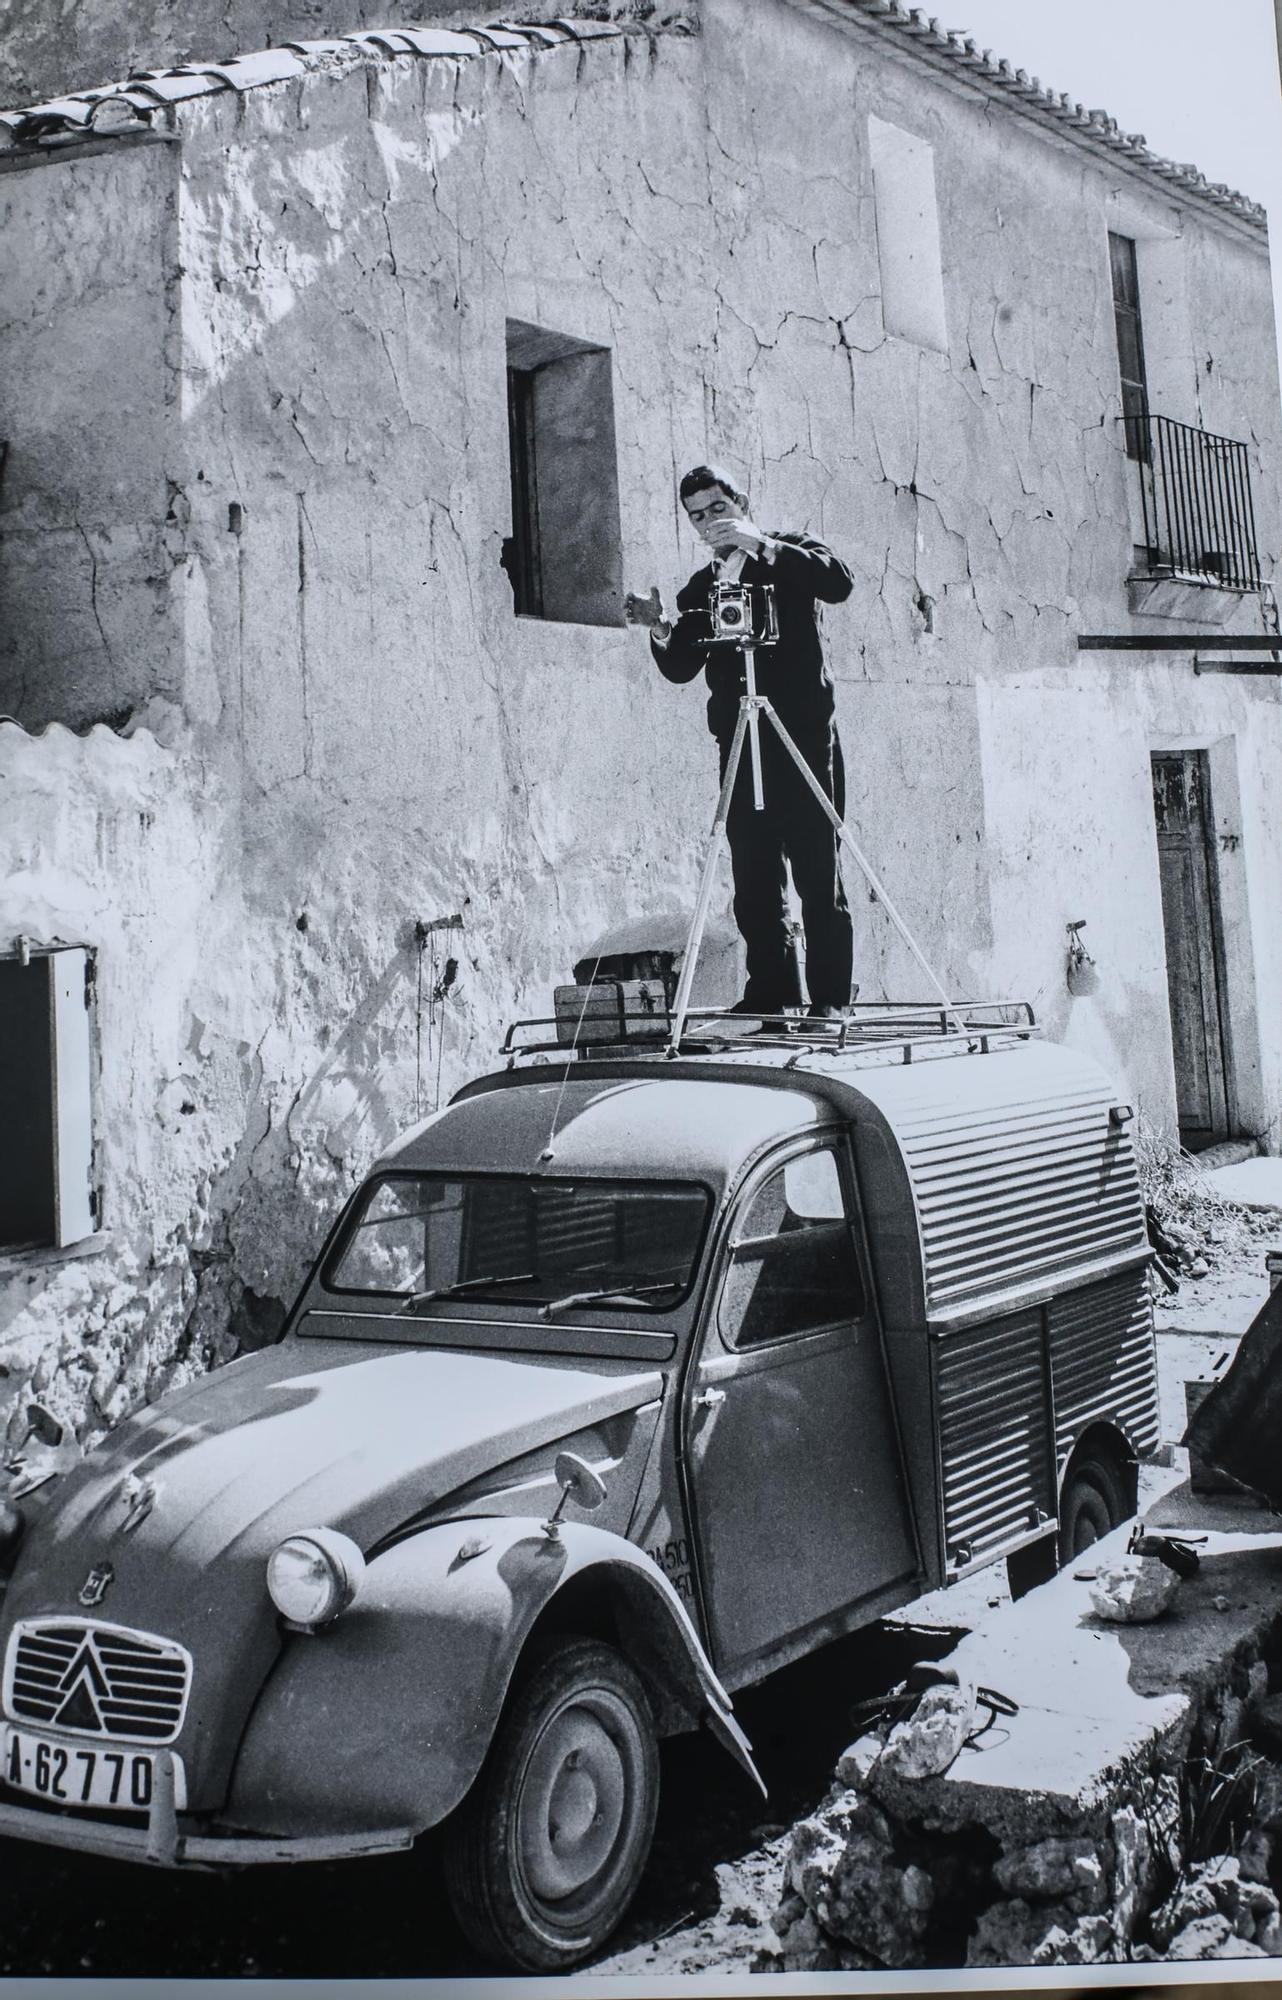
<point>710,504</point>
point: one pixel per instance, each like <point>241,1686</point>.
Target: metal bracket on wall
<point>1165,642</point>
<point>1236,666</point>
<point>1266,645</point>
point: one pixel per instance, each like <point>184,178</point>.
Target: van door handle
<point>708,1399</point>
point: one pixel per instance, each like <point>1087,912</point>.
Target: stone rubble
<point>1134,1590</point>
<point>930,1739</point>
<point>863,1888</point>
<point>914,1859</point>
<point>1214,1902</point>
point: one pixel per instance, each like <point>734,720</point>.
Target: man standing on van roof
<point>791,828</point>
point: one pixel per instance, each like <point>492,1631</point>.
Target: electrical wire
<point>574,1047</point>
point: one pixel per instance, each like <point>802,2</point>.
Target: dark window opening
<point>1130,344</point>
<point>564,557</point>
<point>47,1196</point>
<point>523,566</point>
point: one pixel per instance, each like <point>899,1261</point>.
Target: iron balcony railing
<point>1199,517</point>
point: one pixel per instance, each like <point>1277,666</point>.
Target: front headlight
<point>313,1576</point>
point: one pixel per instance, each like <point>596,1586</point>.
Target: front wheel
<point>545,1853</point>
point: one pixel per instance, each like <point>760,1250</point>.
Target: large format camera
<point>744,614</point>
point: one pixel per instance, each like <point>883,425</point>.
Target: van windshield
<point>614,1245</point>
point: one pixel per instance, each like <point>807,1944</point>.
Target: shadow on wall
<point>282,1190</point>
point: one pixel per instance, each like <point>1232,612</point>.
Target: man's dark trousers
<point>790,829</point>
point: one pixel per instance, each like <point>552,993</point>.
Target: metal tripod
<point>752,707</point>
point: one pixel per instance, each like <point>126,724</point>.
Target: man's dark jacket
<point>791,674</point>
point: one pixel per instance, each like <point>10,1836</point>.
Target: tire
<point>1092,1503</point>
<point>576,1738</point>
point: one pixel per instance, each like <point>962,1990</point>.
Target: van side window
<point>794,1267</point>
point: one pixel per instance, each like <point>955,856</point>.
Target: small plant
<point>1211,1815</point>
<point>1217,1802</point>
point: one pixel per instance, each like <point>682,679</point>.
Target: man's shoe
<point>828,1017</point>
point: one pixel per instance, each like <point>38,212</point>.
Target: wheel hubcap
<point>573,1803</point>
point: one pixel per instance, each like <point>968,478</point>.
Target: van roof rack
<point>876,1027</point>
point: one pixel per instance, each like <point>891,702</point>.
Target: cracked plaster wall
<point>119,844</point>
<point>1000,519</point>
<point>87,619</point>
<point>388,744</point>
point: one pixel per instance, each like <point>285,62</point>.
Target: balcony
<point>1196,506</point>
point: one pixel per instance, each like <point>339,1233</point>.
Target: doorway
<point>1191,922</point>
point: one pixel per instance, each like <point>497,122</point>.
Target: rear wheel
<point>1091,1505</point>
<point>545,1853</point>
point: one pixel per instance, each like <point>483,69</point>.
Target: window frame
<point>1129,311</point>
<point>831,1139</point>
<point>68,1164</point>
<point>909,235</point>
<point>526,569</point>
<point>564,553</point>
<point>506,1299</point>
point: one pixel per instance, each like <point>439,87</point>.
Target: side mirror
<point>577,1482</point>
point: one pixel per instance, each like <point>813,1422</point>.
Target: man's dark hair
<point>701,476</point>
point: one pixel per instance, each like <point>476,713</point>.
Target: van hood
<point>167,1527</point>
<point>318,1433</point>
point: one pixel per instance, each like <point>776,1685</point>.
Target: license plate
<point>76,1774</point>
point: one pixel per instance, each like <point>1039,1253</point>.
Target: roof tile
<point>67,117</point>
<point>330,46</point>
<point>538,32</point>
<point>439,42</point>
<point>495,37</point>
<point>388,41</point>
<point>265,66</point>
<point>118,114</point>
<point>173,89</point>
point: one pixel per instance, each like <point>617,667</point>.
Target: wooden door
<point>1194,947</point>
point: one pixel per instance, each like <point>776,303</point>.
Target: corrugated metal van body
<point>1014,1395</point>
<point>1018,1175</point>
<point>1033,1276</point>
<point>1103,1362</point>
<point>996,1450</point>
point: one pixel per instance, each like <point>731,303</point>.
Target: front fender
<point>384,1719</point>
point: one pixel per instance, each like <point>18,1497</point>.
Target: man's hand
<point>646,611</point>
<point>734,531</point>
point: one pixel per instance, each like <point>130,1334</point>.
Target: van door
<point>796,1477</point>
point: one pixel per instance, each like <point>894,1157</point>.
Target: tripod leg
<point>754,724</point>
<point>681,1003</point>
<point>847,837</point>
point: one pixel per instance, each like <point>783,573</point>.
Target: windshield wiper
<point>462,1285</point>
<point>607,1292</point>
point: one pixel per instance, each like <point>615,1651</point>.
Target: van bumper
<point>163,1841</point>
